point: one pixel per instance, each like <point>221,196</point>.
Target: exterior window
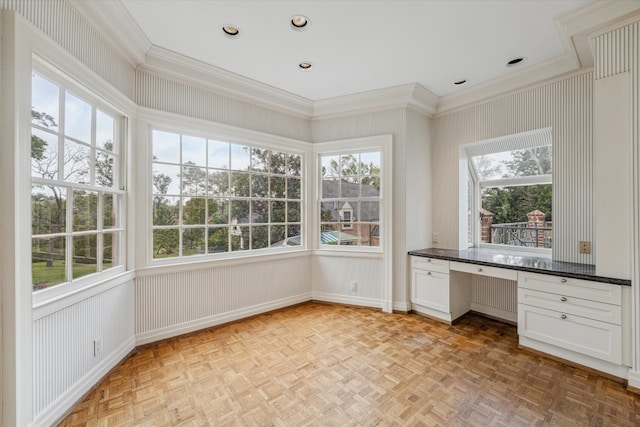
<point>215,197</point>
<point>516,195</point>
<point>76,196</point>
<point>350,199</point>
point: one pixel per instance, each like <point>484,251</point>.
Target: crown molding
<point>411,95</point>
<point>190,71</point>
<point>575,29</point>
<point>113,21</point>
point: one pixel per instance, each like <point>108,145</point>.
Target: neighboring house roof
<point>367,211</point>
<point>326,238</point>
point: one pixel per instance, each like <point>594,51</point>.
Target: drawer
<point>595,310</point>
<point>430,264</point>
<point>585,289</point>
<point>590,337</point>
<point>502,273</point>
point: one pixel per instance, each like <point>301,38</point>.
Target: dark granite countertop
<point>520,261</point>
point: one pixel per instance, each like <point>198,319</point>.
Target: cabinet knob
<point>563,317</point>
<point>428,259</point>
<point>428,273</point>
<point>563,299</point>
<point>563,281</point>
<point>479,270</point>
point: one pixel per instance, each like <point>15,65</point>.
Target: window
<point>350,198</point>
<point>215,197</point>
<point>513,176</point>
<point>76,195</point>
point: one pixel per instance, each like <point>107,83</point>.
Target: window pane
<point>369,234</point>
<point>370,163</point>
<point>330,188</point>
<point>44,154</point>
<point>294,212</point>
<point>294,165</point>
<point>293,188</point>
<point>240,157</point>
<point>294,235</point>
<point>240,184</point>
<point>369,211</point>
<point>218,183</point>
<point>278,233</point>
<point>193,210</point>
<point>76,163</point>
<point>259,211</point>
<point>77,118</point>
<point>166,179</point>
<point>350,186</point>
<point>44,102</point>
<point>218,211</point>
<point>85,259</point>
<point>329,211</point>
<point>85,210</point>
<point>278,211</point>
<point>278,187</point>
<point>370,186</point>
<point>239,238</point>
<point>110,204</point>
<point>511,164</point>
<point>218,154</point>
<point>165,243</point>
<point>218,240</point>
<point>194,150</point>
<point>259,237</point>
<point>111,250</point>
<point>48,262</point>
<point>349,165</point>
<point>105,130</point>
<point>166,210</point>
<point>278,161</point>
<point>104,163</point>
<point>259,186</point>
<point>330,166</point>
<point>48,209</point>
<point>194,181</point>
<point>260,160</point>
<point>239,212</point>
<point>193,241</point>
<point>166,147</point>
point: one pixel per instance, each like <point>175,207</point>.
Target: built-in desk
<point>563,309</point>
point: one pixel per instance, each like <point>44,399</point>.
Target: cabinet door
<point>431,289</point>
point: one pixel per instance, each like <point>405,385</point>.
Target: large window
<point>214,197</point>
<point>76,192</point>
<point>350,198</point>
<point>513,178</point>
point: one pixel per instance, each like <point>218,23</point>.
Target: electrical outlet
<point>585,247</point>
<point>434,237</point>
<point>354,286</point>
<point>97,346</point>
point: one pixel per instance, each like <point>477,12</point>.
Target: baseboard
<point>347,299</point>
<point>401,307</point>
<point>494,312</point>
<point>219,319</point>
<point>54,413</point>
<point>633,384</point>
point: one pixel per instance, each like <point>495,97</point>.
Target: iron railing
<point>521,234</point>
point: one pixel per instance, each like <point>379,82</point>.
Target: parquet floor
<point>327,365</point>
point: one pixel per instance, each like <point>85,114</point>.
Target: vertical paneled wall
<point>64,24</point>
<point>164,94</point>
<point>495,297</point>
<point>63,359</point>
<point>172,303</point>
<point>618,51</point>
<point>566,106</point>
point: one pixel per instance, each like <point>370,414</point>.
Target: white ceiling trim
<point>114,22</point>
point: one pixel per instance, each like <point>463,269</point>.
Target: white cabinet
<point>571,318</point>
<point>432,291</point>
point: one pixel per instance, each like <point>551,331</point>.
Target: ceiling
<point>356,45</point>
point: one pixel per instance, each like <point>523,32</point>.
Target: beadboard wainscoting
<point>170,303</point>
<point>66,361</point>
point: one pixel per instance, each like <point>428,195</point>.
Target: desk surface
<point>521,262</point>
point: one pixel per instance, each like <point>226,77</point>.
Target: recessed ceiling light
<point>298,22</point>
<point>230,30</point>
<point>515,61</point>
<point>460,82</point>
<point>305,66</point>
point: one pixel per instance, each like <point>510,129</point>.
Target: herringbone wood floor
<point>326,365</point>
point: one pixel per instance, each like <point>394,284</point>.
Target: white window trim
<point>382,143</point>
<point>150,120</point>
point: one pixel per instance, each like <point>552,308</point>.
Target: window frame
<point>80,88</point>
<point>154,120</point>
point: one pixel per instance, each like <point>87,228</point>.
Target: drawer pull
<point>479,270</point>
<point>563,299</point>
<point>563,317</point>
<point>428,259</point>
<point>428,273</point>
<point>563,281</point>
